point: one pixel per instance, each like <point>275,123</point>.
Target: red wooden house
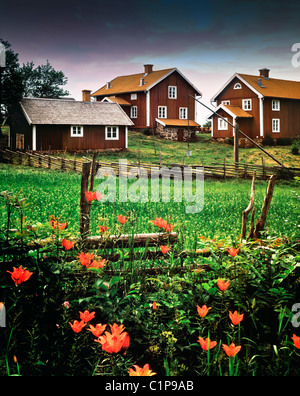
<point>262,106</point>
<point>66,124</point>
<point>155,99</point>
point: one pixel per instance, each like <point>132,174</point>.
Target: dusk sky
<point>208,41</point>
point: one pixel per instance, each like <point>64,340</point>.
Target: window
<point>76,131</point>
<point>183,113</point>
<point>225,102</point>
<point>133,112</point>
<point>111,133</point>
<point>275,105</point>
<point>222,124</point>
<point>133,96</point>
<point>172,92</point>
<point>162,111</point>
<point>237,86</point>
<point>276,125</point>
<point>247,104</point>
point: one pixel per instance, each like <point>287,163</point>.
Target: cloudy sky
<point>94,41</point>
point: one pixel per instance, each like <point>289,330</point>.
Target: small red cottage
<point>66,124</point>
<point>153,99</point>
<point>262,106</point>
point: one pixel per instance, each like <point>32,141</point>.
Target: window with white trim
<point>222,124</point>
<point>172,90</point>
<point>162,111</point>
<point>237,86</point>
<point>276,105</point>
<point>133,112</point>
<point>275,125</point>
<point>76,131</point>
<point>183,111</point>
<point>225,102</point>
<point>247,104</point>
<point>111,133</point>
<point>133,96</point>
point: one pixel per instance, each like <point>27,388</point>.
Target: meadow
<point>209,304</point>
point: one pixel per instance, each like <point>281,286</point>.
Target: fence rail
<point>215,170</point>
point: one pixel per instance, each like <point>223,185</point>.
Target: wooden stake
<point>260,223</point>
<point>85,206</point>
<point>249,207</point>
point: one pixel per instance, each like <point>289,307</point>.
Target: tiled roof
<point>116,99</point>
<point>71,112</point>
<point>238,111</point>
<point>134,83</point>
<point>177,122</point>
<point>273,87</point>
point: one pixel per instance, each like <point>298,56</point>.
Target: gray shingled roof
<point>71,112</point>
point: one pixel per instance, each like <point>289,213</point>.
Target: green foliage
<point>264,285</point>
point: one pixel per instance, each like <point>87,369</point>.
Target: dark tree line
<point>27,80</point>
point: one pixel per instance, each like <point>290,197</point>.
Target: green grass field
<point>55,193</point>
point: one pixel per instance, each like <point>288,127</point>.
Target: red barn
<point>262,106</point>
<point>66,124</point>
<point>153,98</point>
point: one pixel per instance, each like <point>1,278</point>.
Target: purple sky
<point>208,41</point>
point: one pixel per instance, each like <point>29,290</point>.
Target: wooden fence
<point>215,170</point>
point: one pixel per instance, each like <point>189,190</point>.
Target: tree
<point>18,82</point>
<point>43,81</point>
<point>11,84</point>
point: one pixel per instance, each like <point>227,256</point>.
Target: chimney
<point>264,73</point>
<point>108,85</point>
<point>86,95</point>
<point>142,81</point>
<point>148,69</point>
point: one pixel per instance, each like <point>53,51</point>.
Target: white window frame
<point>275,125</point>
<point>109,131</point>
<point>172,92</point>
<point>133,112</point>
<point>183,113</point>
<point>162,111</point>
<point>77,132</point>
<point>276,105</point>
<point>247,104</point>
<point>237,86</point>
<point>225,102</point>
<point>222,125</point>
<point>133,96</point>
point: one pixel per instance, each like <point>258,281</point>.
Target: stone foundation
<point>171,133</point>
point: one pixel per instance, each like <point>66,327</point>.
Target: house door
<point>20,141</point>
<point>180,135</point>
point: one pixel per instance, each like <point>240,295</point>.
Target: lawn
<point>195,310</point>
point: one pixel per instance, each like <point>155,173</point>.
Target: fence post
<point>85,206</point>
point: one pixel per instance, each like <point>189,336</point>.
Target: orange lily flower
<point>203,311</point>
<point>103,229</point>
<point>67,245</point>
<point>97,264</point>
<point>164,249</point>
<point>77,326</point>
<point>154,306</point>
<point>231,350</point>
<point>222,284</point>
<point>98,330</point>
<point>235,317</point>
<point>122,219</point>
<point>207,343</point>
<point>85,258</point>
<point>116,340</point>
<point>140,371</point>
<point>232,251</point>
<point>19,275</point>
<point>296,341</point>
<point>86,316</point>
